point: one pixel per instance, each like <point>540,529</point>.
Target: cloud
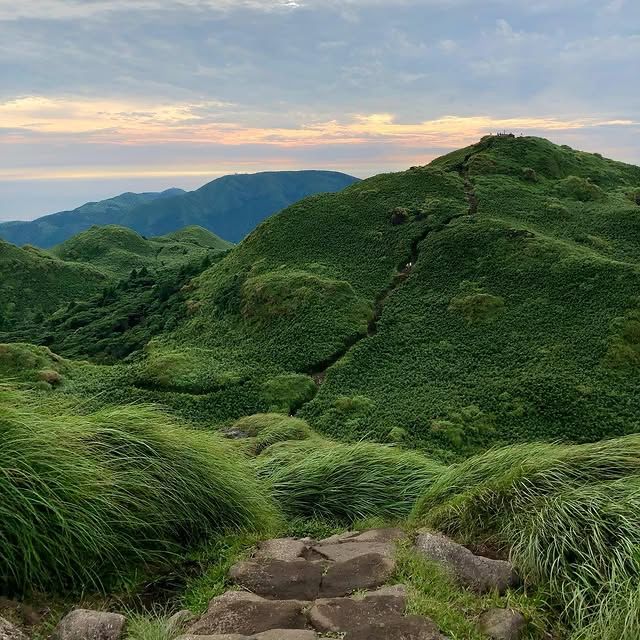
<point>115,122</point>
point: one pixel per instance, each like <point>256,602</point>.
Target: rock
<point>179,621</point>
<point>233,433</point>
<point>84,624</point>
<point>284,549</point>
<point>478,573</point>
<point>502,624</point>
<point>9,631</point>
<point>363,572</point>
<point>273,634</point>
<point>380,535</point>
<point>335,615</point>
<point>350,550</point>
<point>246,614</point>
<point>217,636</point>
<point>286,634</point>
<point>409,628</point>
<point>340,537</point>
<point>297,579</point>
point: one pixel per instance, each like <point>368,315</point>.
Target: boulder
<point>84,624</point>
<point>477,573</point>
<point>279,580</point>
<point>9,631</point>
<point>502,624</point>
<point>408,628</point>
<point>284,549</point>
<point>179,621</point>
<point>363,572</point>
<point>339,615</point>
<point>247,614</point>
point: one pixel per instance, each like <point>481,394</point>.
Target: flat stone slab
<point>401,628</point>
<point>349,550</point>
<point>273,634</point>
<point>389,535</point>
<point>245,613</point>
<point>9,631</point>
<point>477,573</point>
<point>340,537</point>
<point>85,624</point>
<point>340,615</point>
<point>368,571</point>
<point>280,580</point>
<point>502,624</point>
<point>284,549</point>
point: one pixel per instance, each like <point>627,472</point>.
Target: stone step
<point>246,613</point>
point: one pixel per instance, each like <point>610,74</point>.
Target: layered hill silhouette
<point>230,206</point>
<point>490,296</point>
<point>49,230</point>
<point>35,282</point>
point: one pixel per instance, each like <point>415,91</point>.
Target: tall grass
<point>570,516</point>
<point>84,498</point>
<point>347,482</point>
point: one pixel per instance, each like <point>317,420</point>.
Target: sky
<point>98,97</point>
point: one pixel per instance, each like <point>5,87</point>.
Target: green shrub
<point>269,428</point>
<point>634,196</point>
<point>529,174</point>
<point>477,306</point>
<point>87,497</point>
<point>569,515</point>
<point>347,482</point>
<point>397,434</point>
<point>287,393</point>
<point>399,215</point>
<point>577,188</point>
<point>31,364</point>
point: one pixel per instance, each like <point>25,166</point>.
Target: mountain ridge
<point>229,206</point>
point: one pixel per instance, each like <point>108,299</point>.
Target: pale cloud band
<point>103,89</point>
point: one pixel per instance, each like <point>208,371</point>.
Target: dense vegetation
<point>504,315</point>
<point>85,497</point>
<point>569,516</point>
<point>35,283</point>
<point>230,206</point>
<point>370,354</point>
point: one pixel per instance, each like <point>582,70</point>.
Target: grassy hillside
<point>35,283</point>
<point>117,250</point>
<point>50,230</point>
<point>489,297</point>
<point>230,206</point>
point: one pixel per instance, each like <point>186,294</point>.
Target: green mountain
<point>117,250</point>
<point>488,297</point>
<point>34,282</point>
<point>50,230</point>
<point>230,206</point>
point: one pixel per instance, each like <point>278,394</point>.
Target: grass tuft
<point>86,498</point>
<point>346,482</point>
<point>569,515</point>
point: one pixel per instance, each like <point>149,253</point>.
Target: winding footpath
<point>341,587</point>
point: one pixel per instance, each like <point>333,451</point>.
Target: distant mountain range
<point>231,207</point>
